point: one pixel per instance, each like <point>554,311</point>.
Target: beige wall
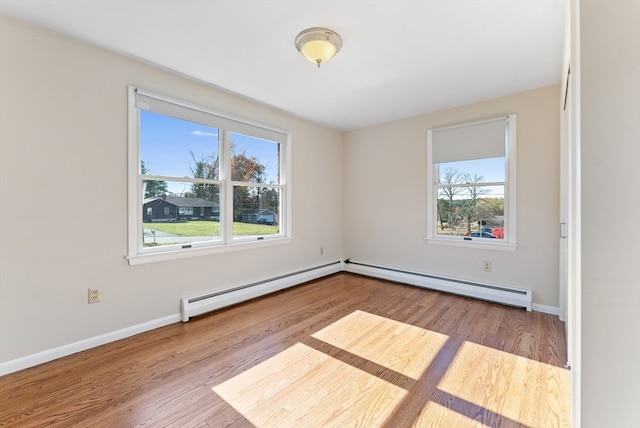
<point>385,205</point>
<point>610,147</point>
<point>63,190</point>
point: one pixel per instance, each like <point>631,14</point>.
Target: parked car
<point>482,234</point>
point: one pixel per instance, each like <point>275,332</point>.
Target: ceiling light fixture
<point>318,44</point>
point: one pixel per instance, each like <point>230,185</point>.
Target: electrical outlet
<point>486,266</point>
<point>94,295</point>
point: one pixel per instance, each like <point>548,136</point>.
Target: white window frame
<point>509,243</point>
<point>137,253</point>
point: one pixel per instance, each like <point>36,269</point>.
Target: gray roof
<point>184,202</point>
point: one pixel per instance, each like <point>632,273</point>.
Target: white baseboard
<point>551,310</point>
<point>82,345</point>
<point>197,305</point>
<point>491,292</point>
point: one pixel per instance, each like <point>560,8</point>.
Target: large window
<point>471,189</point>
<point>201,180</point>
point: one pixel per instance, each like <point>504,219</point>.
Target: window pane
<point>255,211</point>
<point>254,160</point>
<point>171,218</point>
<point>177,148</point>
<point>476,211</point>
<point>472,171</point>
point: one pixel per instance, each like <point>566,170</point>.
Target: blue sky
<point>166,143</point>
<point>491,170</point>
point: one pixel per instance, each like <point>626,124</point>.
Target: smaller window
<point>166,210</point>
<point>471,189</point>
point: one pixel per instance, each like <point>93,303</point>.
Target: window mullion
<point>179,179</point>
<point>226,213</point>
<point>478,184</point>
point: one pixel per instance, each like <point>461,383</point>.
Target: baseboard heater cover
<point>198,305</point>
<point>495,293</point>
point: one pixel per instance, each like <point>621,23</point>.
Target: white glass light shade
<point>318,45</point>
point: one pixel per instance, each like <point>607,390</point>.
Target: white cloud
<point>204,134</point>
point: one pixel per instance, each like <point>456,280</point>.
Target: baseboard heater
<point>494,293</point>
<point>198,305</point>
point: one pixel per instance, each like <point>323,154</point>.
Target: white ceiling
<point>399,58</point>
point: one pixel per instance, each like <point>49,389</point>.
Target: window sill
<point>482,245</point>
<point>161,256</point>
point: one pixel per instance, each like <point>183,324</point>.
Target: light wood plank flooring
<point>341,351</point>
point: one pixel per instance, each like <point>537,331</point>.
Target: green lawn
<point>211,228</point>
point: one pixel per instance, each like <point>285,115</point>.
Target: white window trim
<point>510,243</point>
<point>137,255</point>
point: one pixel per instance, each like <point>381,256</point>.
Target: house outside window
<point>198,177</point>
<point>471,188</point>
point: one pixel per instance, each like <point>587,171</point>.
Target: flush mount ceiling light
<point>318,45</point>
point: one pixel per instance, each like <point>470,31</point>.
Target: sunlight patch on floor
<point>305,387</point>
<point>512,386</point>
<point>398,346</point>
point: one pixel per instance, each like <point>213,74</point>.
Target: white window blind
<point>192,113</point>
<point>480,140</point>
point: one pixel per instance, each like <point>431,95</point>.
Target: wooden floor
<point>341,351</point>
